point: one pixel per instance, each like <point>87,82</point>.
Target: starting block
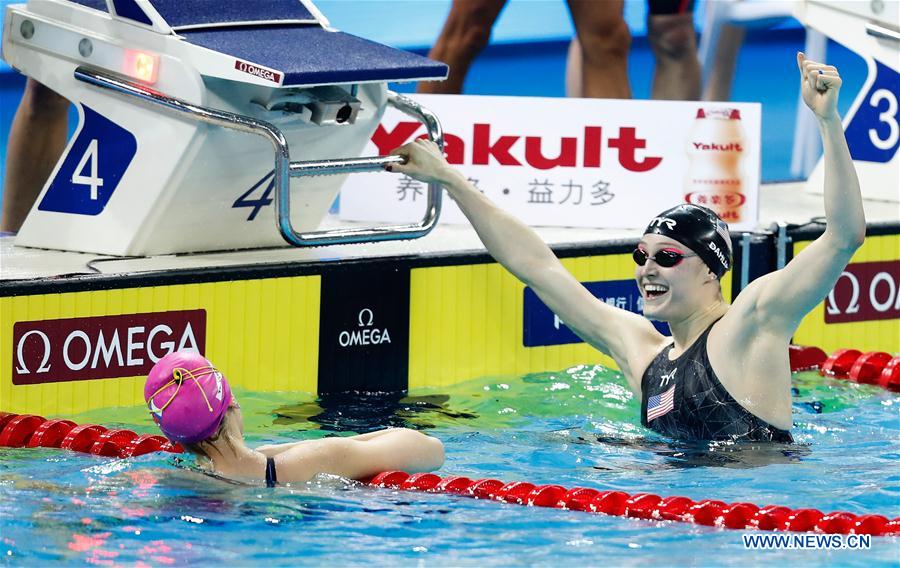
<point>872,125</point>
<point>196,117</point>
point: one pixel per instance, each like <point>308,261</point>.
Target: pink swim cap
<point>187,396</point>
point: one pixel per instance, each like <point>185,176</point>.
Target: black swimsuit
<point>271,476</point>
<point>684,399</point>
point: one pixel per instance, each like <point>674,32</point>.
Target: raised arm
<point>361,456</point>
<point>625,336</point>
<point>784,297</point>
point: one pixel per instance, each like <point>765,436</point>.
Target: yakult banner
<point>575,162</point>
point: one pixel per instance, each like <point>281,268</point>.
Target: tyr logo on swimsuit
<point>665,378</point>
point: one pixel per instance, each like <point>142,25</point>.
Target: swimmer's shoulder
<point>740,333</point>
<point>641,355</point>
<point>743,317</point>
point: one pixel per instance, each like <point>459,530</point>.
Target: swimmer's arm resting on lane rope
<point>628,338</point>
<point>272,450</point>
<point>784,297</point>
<point>359,457</point>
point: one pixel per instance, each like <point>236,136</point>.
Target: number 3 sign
<point>873,133</point>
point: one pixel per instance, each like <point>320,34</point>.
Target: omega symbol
<point>22,369</point>
<point>363,322</point>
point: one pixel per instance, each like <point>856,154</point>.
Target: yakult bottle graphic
<point>715,150</point>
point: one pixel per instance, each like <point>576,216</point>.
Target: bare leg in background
<point>721,77</point>
<point>605,41</point>
<point>674,43</point>
<point>36,141</point>
<point>574,88</point>
<point>465,34</point>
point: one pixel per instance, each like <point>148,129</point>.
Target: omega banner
<point>865,291</point>
<point>74,349</point>
<point>575,162</point>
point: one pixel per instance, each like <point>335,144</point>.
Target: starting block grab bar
<point>284,169</point>
<point>882,32</point>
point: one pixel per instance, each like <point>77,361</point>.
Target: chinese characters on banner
<point>574,162</point>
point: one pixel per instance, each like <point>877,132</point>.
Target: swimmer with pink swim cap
<point>187,397</point>
<point>193,405</point>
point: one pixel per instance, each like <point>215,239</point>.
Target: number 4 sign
<point>89,159</point>
<point>92,167</point>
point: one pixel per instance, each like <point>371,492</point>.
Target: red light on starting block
<point>141,65</point>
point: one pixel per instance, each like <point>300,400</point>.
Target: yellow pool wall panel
<point>263,334</point>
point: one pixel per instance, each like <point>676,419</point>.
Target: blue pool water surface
<point>577,427</point>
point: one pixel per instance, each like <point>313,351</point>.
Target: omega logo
<point>366,333</point>
<point>71,349</point>
<point>251,69</point>
<point>99,351</point>
<point>883,281</point>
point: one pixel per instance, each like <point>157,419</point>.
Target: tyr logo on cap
<point>669,223</point>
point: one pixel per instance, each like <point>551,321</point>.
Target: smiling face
<point>675,292</point>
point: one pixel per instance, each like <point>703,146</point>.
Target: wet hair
<point>699,229</point>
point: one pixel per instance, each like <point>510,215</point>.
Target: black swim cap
<point>699,229</point>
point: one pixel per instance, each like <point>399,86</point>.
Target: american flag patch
<point>658,405</point>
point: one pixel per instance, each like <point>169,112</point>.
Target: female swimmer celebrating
<point>192,404</point>
<point>724,374</point>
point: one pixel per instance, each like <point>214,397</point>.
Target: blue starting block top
<point>184,14</point>
<point>283,35</point>
<point>311,55</point>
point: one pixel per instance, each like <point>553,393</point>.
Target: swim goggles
<point>667,258</point>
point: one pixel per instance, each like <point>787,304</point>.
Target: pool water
<point>577,427</point>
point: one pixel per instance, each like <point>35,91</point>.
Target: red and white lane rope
<point>31,431</point>
<point>645,505</point>
<point>871,368</point>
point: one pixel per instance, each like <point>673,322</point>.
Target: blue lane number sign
<point>92,168</point>
<point>874,133</point>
